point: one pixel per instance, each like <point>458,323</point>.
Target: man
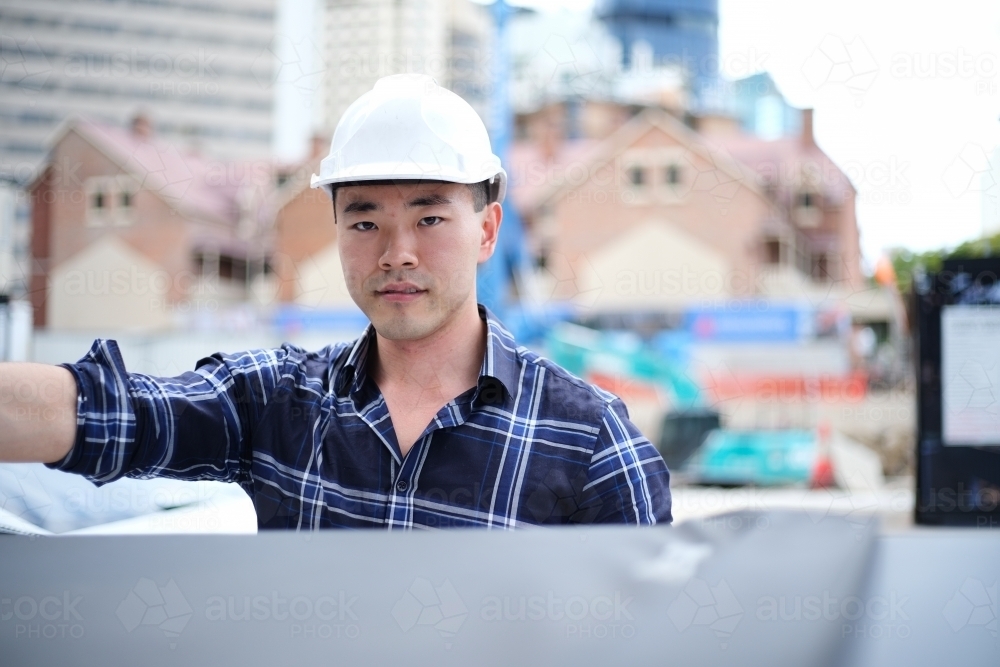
<point>434,417</point>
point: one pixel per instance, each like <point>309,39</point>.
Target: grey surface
<point>687,595</point>
<point>944,583</point>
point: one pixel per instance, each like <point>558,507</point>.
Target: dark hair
<point>481,195</point>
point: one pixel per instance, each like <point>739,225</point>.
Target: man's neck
<point>448,361</point>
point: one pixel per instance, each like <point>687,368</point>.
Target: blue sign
<point>748,324</point>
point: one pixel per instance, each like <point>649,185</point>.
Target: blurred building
<point>365,40</point>
<point>130,232</point>
<point>762,109</point>
<point>566,57</point>
<point>470,52</point>
<point>644,214</point>
<point>665,32</point>
<point>202,70</point>
<point>15,236</point>
<point>560,55</point>
<point>306,258</point>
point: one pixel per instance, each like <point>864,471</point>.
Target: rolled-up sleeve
<point>196,426</point>
<point>627,475</point>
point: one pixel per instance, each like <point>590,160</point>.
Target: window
<point>230,268</point>
<point>772,251</point>
<point>110,201</point>
<point>807,211</point>
<point>636,175</point>
<point>820,267</point>
<point>655,175</point>
<point>672,174</point>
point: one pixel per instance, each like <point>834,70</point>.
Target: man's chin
<point>403,325</point>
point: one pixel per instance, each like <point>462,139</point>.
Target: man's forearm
<point>37,412</point>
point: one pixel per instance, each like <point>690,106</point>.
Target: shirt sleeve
<point>629,480</point>
<point>196,426</point>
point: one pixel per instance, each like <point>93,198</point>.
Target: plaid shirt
<point>308,436</point>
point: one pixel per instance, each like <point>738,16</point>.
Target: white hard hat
<point>410,128</point>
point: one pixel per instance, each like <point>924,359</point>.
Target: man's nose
<point>400,251</point>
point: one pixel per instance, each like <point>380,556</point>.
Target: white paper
<point>970,375</point>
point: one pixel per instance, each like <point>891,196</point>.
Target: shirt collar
<point>500,362</point>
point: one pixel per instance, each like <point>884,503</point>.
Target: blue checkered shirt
<point>308,436</point>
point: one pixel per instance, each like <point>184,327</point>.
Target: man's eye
<point>364,226</point>
<point>430,221</point>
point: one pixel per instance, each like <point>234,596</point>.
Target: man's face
<point>410,252</point>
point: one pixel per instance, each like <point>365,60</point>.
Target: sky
<point>917,124</point>
<point>907,102</point>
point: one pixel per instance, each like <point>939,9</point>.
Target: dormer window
<point>655,176</point>
<point>636,175</point>
<point>110,201</point>
<point>673,174</point>
<point>807,211</point>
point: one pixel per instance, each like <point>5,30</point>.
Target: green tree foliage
<point>905,262</point>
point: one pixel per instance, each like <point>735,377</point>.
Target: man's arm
<point>627,474</point>
<point>37,412</point>
<point>114,423</point>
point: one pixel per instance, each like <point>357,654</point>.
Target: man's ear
<point>490,231</point>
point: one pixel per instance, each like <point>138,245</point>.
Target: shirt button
<point>401,486</point>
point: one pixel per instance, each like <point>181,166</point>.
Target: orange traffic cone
<point>822,472</point>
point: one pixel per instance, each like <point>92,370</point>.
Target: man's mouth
<point>400,292</point>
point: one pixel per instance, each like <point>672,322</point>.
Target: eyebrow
<point>428,200</point>
<point>361,207</point>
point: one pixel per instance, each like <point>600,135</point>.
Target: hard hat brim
<point>385,173</point>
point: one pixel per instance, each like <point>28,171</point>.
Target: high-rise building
<point>684,32</point>
<point>566,57</point>
<point>202,71</point>
<point>364,40</point>
<point>470,36</point>
<point>761,108</point>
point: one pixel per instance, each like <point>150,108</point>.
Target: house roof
<point>298,181</point>
<point>731,172</point>
<point>783,161</point>
<point>744,159</point>
<point>530,171</point>
<point>193,184</point>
